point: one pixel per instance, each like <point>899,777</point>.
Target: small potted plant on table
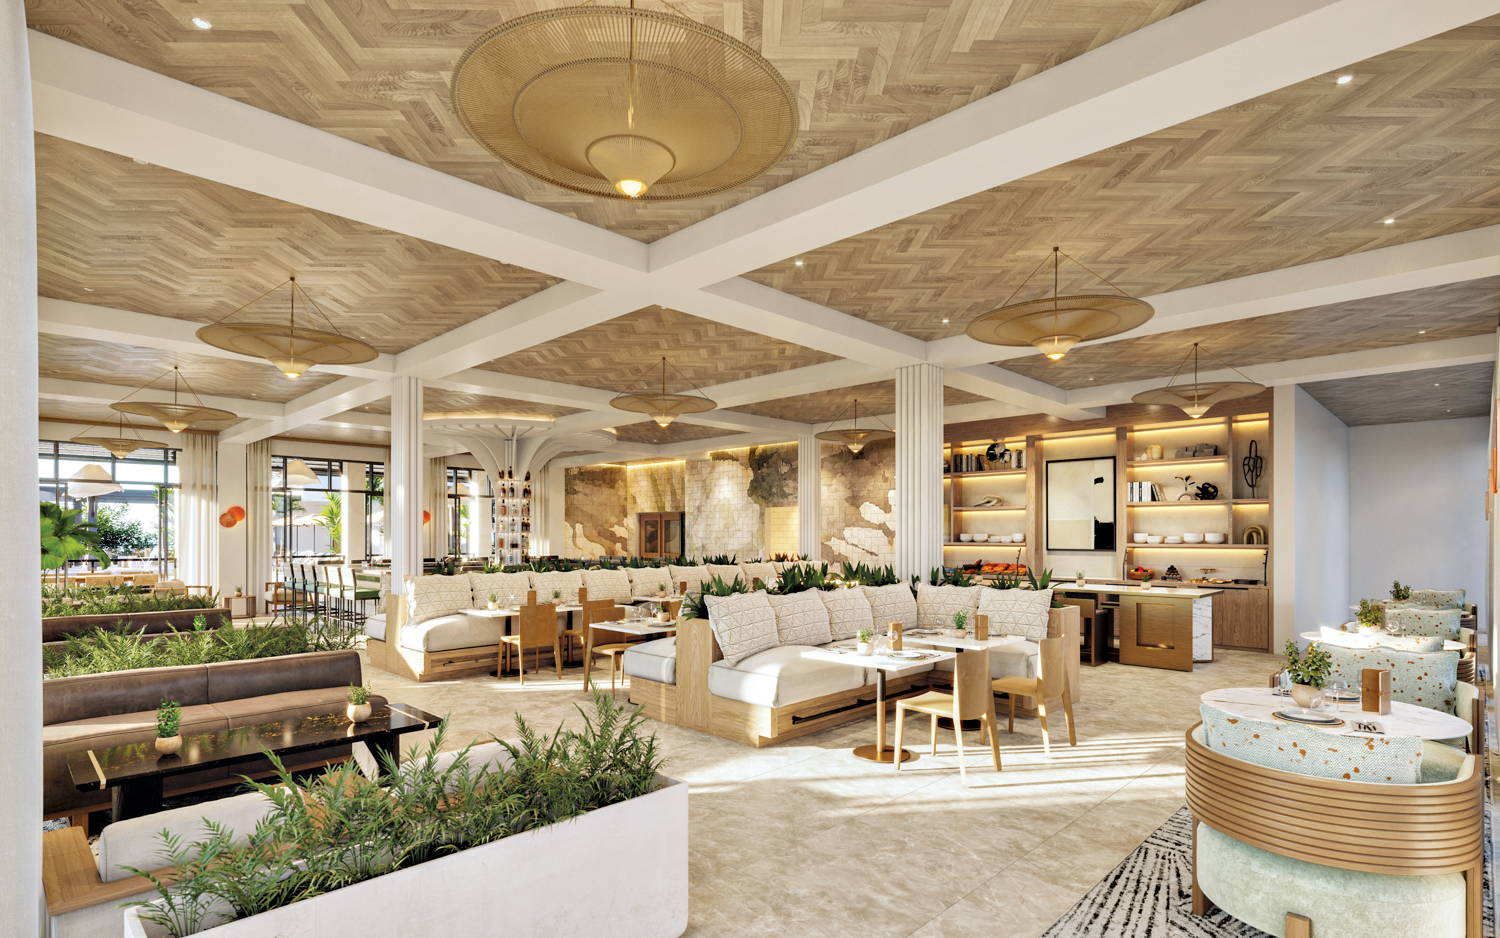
<point>1400,593</point>
<point>1308,673</point>
<point>960,624</point>
<point>1143,574</point>
<point>1079,580</point>
<point>168,722</point>
<point>866,645</point>
<point>493,602</point>
<point>358,710</point>
<point>1371,618</point>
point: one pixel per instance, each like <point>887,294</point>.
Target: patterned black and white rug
<point>1150,894</point>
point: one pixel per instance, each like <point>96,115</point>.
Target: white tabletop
<point>881,662</point>
<point>1195,592</point>
<point>635,626</point>
<point>1448,645</point>
<point>1404,719</point>
<point>656,599</point>
<point>970,644</point>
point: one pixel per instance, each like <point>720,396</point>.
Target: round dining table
<point>1448,643</point>
<point>1260,703</point>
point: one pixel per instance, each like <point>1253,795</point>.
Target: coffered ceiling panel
<point>1446,312</point>
<point>323,433</point>
<point>1298,175</point>
<point>613,354</point>
<point>108,363</point>
<point>85,414</point>
<point>117,233</point>
<point>1408,396</point>
<point>649,432</point>
<point>876,398</point>
<point>377,71</point>
<point>437,401</point>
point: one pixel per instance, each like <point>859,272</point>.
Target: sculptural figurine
<point>1207,492</point>
<point>1251,466</point>
<point>990,501</point>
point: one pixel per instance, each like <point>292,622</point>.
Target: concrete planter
<point>620,871</point>
<point>58,628</point>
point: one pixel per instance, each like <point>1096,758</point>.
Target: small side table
<point>240,607</point>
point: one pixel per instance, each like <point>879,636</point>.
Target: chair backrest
<point>972,692</point>
<point>1053,666</point>
<point>674,608</point>
<point>603,610</point>
<point>538,625</point>
<point>146,579</point>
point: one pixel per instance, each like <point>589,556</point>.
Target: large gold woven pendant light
<point>118,445</point>
<point>291,348</point>
<point>854,436</point>
<point>175,416</point>
<point>662,405</point>
<point>623,103</point>
<point>1196,398</point>
<point>1055,324</point>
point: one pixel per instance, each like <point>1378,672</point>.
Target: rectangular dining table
<point>882,663</point>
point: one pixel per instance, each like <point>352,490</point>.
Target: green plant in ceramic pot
<point>960,624</point>
<point>1309,674</point>
<point>865,639</point>
<point>168,722</point>
<point>1078,578</point>
<point>1371,617</point>
<point>358,710</point>
<point>1400,593</point>
<point>493,602</point>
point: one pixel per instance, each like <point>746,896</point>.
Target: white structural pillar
<point>810,497</point>
<point>20,562</point>
<point>481,507</point>
<point>233,545</point>
<point>353,536</point>
<point>404,488</point>
<point>919,470</point>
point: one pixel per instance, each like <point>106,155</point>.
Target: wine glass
<point>1335,693</point>
<point>1286,682</point>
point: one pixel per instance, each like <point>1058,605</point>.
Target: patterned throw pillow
<point>744,623</point>
<point>1438,599</point>
<point>428,597</point>
<point>1016,612</point>
<point>1385,760</point>
<point>566,584</point>
<point>893,603</point>
<point>1413,620</point>
<point>503,585</point>
<point>1429,680</point>
<point>802,619</point>
<point>849,611</point>
<point>764,572</point>
<point>694,577</point>
<point>937,604</point>
<point>613,585</point>
<point>645,581</point>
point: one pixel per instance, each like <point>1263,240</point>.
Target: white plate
<point>909,655</point>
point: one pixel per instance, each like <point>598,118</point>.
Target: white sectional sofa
<point>742,674</point>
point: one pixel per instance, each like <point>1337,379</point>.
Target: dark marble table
<point>134,772</point>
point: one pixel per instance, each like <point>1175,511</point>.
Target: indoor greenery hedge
<point>96,651</point>
<point>342,828</point>
<point>116,601</point>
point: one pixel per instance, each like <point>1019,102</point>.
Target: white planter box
<point>618,872</point>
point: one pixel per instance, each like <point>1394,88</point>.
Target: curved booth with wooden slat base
<point>1297,856</point>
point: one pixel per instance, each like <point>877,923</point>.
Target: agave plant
<point>695,606</point>
<point>65,538</point>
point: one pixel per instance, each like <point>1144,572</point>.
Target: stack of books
<point>1144,492</point>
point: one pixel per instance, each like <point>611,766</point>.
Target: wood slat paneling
<point>649,432</point>
<point>153,240</point>
<point>89,414</point>
<point>437,401</point>
<point>1301,174</point>
<point>377,71</point>
<point>878,397</point>
<point>1408,396</point>
<point>130,366</point>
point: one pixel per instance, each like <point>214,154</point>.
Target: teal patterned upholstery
<point>1413,620</point>
<point>1288,747</point>
<point>1438,599</point>
<point>1425,680</point>
<point>1422,644</point>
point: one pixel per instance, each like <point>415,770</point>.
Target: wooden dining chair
<point>613,647</point>
<point>536,629</point>
<point>971,700</point>
<point>580,631</point>
<point>1050,683</point>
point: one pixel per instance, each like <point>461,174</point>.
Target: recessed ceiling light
<point>88,289</point>
<point>141,161</point>
<point>1342,79</point>
<point>945,320</point>
<point>1390,221</point>
<point>1436,384</point>
<point>1421,332</point>
<point>799,263</point>
<point>202,23</point>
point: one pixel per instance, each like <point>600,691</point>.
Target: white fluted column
<point>20,561</point>
<point>810,497</point>
<point>352,544</point>
<point>919,470</point>
<point>404,488</point>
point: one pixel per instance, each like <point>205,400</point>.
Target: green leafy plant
<point>722,560</point>
<point>864,636</point>
<point>695,606</point>
<point>1078,575</point>
<point>1311,669</point>
<point>58,602</point>
<point>96,651</point>
<point>961,620</point>
<point>800,578</point>
<point>1045,582</point>
<point>168,718</point>
<point>359,695</point>
<point>331,519</point>
<point>1370,615</point>
<point>863,575</point>
<point>1400,593</point>
<point>120,534</point>
<point>65,538</point>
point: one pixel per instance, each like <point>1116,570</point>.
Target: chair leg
<point>1068,715</point>
<point>1012,727</point>
<point>900,731</point>
<point>557,657</point>
<point>987,721</point>
<point>1298,926</point>
<point>958,738</point>
<point>1041,713</point>
<point>521,662</point>
<point>932,731</point>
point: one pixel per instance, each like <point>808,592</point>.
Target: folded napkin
<point>1366,723</point>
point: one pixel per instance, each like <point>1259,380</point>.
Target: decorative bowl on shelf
<point>1214,538</point>
<point>1174,540</point>
<point>1006,539</point>
<point>1192,539</point>
<point>1153,538</point>
<point>966,537</point>
<point>1020,538</point>
<point>981,538</point>
<point>1140,538</point>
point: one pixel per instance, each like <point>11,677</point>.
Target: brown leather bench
<point>92,711</point>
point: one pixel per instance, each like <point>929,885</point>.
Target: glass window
<point>325,519</point>
<point>137,525</point>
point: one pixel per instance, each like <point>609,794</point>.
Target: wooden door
<point>1242,618</point>
<point>659,533</point>
<point>1156,632</point>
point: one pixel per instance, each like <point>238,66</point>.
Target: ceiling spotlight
<point>1345,79</point>
<point>1436,384</point>
<point>1390,221</point>
<point>202,23</point>
<point>1055,324</point>
<point>798,263</point>
<point>141,161</point>
<point>1421,332</point>
<point>945,320</point>
<point>88,289</point>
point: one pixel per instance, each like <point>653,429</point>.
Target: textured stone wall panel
<point>859,494</point>
<point>595,512</point>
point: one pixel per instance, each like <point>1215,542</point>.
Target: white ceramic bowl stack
<point>1192,539</point>
<point>1214,538</point>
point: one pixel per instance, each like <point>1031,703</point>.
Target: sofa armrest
<point>70,875</point>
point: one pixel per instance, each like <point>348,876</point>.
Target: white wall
<point>1310,525</point>
<point>1416,507</point>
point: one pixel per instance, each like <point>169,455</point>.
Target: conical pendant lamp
<point>175,416</point>
<point>1054,324</point>
<point>1196,397</point>
<point>91,481</point>
<point>854,436</point>
<point>293,349</point>
<point>662,405</point>
<point>119,445</point>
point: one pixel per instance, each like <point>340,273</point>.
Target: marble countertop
<point>1193,592</point>
<point>1404,719</point>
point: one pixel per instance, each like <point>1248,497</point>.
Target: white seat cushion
<point>445,633</point>
<point>653,661</point>
<point>1013,659</point>
<point>503,585</point>
<point>893,603</point>
<point>613,585</point>
<point>848,612</point>
<point>375,628</point>
<point>1016,612</point>
<point>936,605</point>
<point>801,618</point>
<point>744,623</point>
<point>779,677</point>
<point>428,597</point>
<point>135,842</point>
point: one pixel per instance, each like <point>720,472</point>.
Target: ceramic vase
<point>1080,583</point>
<point>866,648</point>
<point>492,605</point>
<point>357,713</point>
<point>1307,696</point>
<point>168,745</point>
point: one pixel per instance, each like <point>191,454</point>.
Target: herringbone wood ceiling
<point>649,432</point>
<point>1456,309</point>
<point>323,433</point>
<point>877,398</point>
<point>1408,396</point>
<point>126,365</point>
<point>85,414</point>
<point>439,401</point>
<point>377,71</point>
<point>113,232</point>
<point>1298,175</point>
<point>613,354</point>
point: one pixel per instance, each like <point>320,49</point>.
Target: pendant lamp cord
<point>1054,257</point>
<point>1193,354</point>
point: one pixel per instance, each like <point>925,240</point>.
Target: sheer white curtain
<point>435,544</point>
<point>198,510</point>
<point>258,568</point>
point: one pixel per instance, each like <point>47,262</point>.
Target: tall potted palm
<point>65,538</point>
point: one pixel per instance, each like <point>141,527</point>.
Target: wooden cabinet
<point>659,533</point>
<point>1242,618</point>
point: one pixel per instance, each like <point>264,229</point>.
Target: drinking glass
<point>1335,692</point>
<point>1286,683</point>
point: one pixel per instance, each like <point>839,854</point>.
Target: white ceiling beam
<point>1212,56</point>
<point>517,387</point>
<point>795,382</point>
<point>327,401</point>
<point>1028,394</point>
